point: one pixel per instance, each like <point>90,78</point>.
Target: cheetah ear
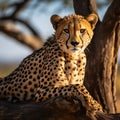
<point>55,20</point>
<point>92,19</point>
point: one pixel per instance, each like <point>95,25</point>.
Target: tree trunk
<point>103,54</point>
<point>100,75</point>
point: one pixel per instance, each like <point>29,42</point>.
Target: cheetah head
<point>74,32</point>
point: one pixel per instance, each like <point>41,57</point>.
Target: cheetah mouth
<point>75,50</point>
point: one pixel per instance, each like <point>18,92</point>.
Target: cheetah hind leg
<point>77,91</point>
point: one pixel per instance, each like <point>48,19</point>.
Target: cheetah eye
<point>66,30</point>
<point>82,30</point>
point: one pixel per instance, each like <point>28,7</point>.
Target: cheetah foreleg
<point>87,100</point>
<point>77,91</point>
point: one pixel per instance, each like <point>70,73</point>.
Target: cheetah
<point>58,67</point>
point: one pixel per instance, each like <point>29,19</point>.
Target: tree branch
<point>30,40</point>
<point>24,22</point>
<point>20,6</point>
<point>84,7</point>
<point>111,19</point>
<point>54,109</point>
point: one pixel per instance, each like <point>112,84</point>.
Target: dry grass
<point>5,69</point>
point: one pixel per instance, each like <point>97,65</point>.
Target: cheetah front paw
<point>94,107</point>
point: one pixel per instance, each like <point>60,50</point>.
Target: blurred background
<point>23,20</point>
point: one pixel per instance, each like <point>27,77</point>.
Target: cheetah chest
<point>74,72</point>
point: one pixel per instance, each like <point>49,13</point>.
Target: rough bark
<point>108,55</point>
<point>103,54</point>
<point>54,109</point>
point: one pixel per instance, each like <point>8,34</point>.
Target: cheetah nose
<point>74,43</point>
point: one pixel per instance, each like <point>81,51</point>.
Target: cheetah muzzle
<point>58,67</point>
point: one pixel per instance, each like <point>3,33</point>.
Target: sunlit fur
<point>78,29</point>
